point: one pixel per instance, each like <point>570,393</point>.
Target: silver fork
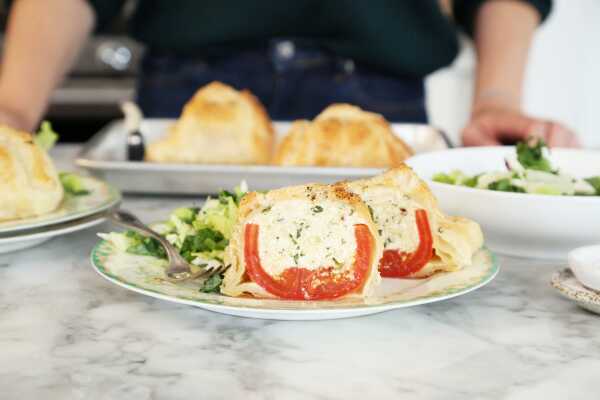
<point>178,269</point>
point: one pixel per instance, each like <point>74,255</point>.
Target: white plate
<point>34,237</point>
<point>568,286</point>
<point>145,275</point>
<point>102,196</point>
<point>105,156</point>
<point>520,224</point>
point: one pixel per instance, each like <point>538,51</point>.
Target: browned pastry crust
<point>29,184</point>
<point>292,200</point>
<point>394,196</point>
<point>219,125</point>
<point>342,136</point>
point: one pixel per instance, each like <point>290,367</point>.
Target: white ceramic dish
<point>102,196</point>
<point>526,225</point>
<point>105,156</point>
<point>33,237</point>
<point>145,275</point>
<point>568,286</point>
<point>585,264</point>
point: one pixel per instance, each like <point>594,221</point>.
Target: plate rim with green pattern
<point>70,207</point>
<point>278,309</point>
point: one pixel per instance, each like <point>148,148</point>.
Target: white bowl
<point>527,225</point>
<point>585,264</point>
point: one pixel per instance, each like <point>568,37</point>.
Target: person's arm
<point>41,43</point>
<point>503,30</point>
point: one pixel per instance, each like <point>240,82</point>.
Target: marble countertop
<point>66,333</point>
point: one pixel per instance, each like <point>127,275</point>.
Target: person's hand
<point>495,125</point>
<point>15,119</point>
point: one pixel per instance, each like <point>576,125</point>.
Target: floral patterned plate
<point>144,275</point>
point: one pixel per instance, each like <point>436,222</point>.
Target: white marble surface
<point>66,333</point>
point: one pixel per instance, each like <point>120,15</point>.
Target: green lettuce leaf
<point>135,243</point>
<point>530,154</point>
<point>595,182</point>
<point>72,184</point>
<point>46,137</point>
<point>505,185</point>
<point>212,284</point>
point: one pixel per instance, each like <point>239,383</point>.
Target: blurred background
<point>563,80</point>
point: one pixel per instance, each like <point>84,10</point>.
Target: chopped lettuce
<point>457,177</point>
<point>530,154</point>
<point>212,284</point>
<point>72,184</point>
<point>529,172</point>
<point>200,234</point>
<point>186,214</point>
<point>204,240</point>
<point>219,215</point>
<point>135,243</point>
<point>505,185</point>
<point>595,182</point>
<point>46,137</point>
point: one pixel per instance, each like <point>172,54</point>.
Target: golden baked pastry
<point>219,125</point>
<point>401,202</point>
<point>310,242</point>
<point>29,184</point>
<point>342,136</point>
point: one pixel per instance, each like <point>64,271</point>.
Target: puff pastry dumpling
<point>342,136</point>
<point>311,242</point>
<point>219,125</point>
<point>419,240</point>
<point>29,183</point>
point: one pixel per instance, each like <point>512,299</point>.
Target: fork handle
<point>128,220</point>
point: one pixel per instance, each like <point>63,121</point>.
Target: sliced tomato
<point>323,283</point>
<point>398,264</point>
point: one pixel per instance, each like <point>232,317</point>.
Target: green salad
<point>528,171</point>
<point>46,138</point>
<point>200,234</point>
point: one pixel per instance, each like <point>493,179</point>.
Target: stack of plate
<point>75,213</point>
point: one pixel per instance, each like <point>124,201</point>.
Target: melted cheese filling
<point>394,215</point>
<point>299,233</point>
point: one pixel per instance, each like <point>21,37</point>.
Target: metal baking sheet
<point>105,157</point>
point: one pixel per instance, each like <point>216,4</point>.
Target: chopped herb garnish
<point>317,209</point>
<point>371,212</point>
<point>293,238</point>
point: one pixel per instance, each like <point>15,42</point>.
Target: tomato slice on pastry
<point>322,283</point>
<point>399,264</point>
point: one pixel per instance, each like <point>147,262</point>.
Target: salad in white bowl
<point>529,170</point>
<point>531,201</point>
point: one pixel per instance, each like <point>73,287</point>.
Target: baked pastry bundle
<point>29,183</point>
<point>322,242</point>
<point>219,125</point>
<point>342,136</point>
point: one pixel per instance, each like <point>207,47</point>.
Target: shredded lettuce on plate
<point>200,234</point>
<point>46,137</point>
<point>529,171</point>
<point>72,184</point>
